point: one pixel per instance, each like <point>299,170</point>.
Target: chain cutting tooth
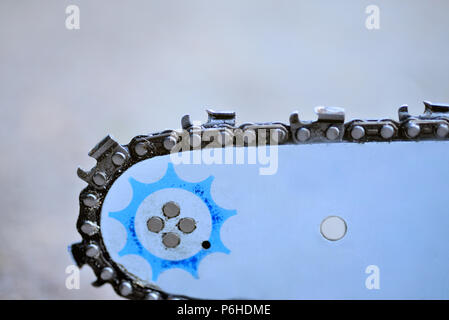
<point>77,252</point>
<point>330,114</point>
<point>83,174</point>
<point>434,108</point>
<point>328,127</point>
<point>110,156</point>
<point>102,147</point>
<point>220,118</point>
<point>403,113</point>
<point>186,123</point>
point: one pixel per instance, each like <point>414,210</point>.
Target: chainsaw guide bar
<point>154,229</point>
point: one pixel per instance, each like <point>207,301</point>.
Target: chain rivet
<point>118,158</point>
<point>332,133</point>
<point>278,135</point>
<point>303,134</point>
<point>90,200</point>
<point>125,288</point>
<point>387,131</point>
<point>170,142</point>
<point>357,132</point>
<point>92,250</point>
<point>195,140</point>
<point>413,129</point>
<point>249,137</point>
<point>90,228</point>
<point>99,178</point>
<point>141,149</point>
<point>153,295</point>
<point>225,138</point>
<point>107,273</point>
<point>442,130</point>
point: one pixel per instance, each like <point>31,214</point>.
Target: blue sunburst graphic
<point>171,180</point>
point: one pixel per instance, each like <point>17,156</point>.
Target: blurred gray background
<point>137,66</point>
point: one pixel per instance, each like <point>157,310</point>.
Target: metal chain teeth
<point>113,159</point>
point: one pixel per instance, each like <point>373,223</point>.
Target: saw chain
<point>113,159</point>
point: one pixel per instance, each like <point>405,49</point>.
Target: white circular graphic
<point>333,228</point>
<point>191,206</point>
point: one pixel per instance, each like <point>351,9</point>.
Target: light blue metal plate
<point>267,242</point>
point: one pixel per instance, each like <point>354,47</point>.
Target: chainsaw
<point>322,209</point>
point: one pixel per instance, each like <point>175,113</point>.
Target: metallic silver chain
<point>113,159</point>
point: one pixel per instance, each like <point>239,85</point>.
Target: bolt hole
<point>206,245</point>
<point>333,228</point>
